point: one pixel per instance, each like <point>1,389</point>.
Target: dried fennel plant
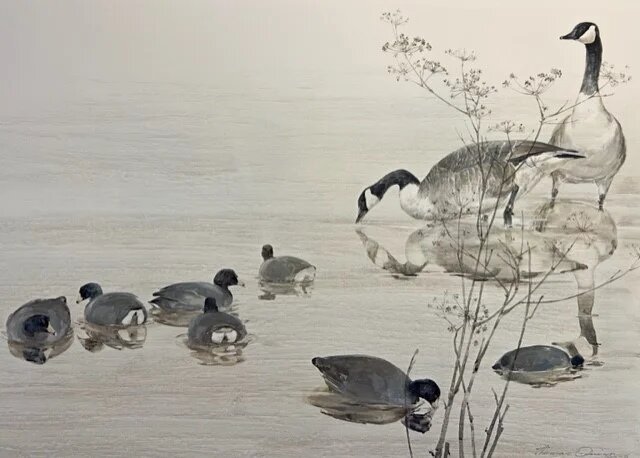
<point>471,322</point>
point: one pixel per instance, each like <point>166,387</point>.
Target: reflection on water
<point>569,236</point>
<point>94,338</point>
<point>271,290</point>
<point>217,355</point>
<point>346,409</point>
<point>181,319</point>
<point>41,354</point>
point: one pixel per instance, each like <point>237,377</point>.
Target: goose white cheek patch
<point>370,199</point>
<point>589,36</point>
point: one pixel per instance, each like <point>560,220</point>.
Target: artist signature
<point>546,450</point>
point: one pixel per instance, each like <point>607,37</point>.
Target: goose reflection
<point>95,338</point>
<point>40,354</point>
<point>569,236</point>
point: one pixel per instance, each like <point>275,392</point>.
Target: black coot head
<point>426,389</point>
<point>37,324</point>
<point>89,291</point>
<point>267,252</point>
<point>227,277</point>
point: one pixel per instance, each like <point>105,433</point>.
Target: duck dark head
<point>426,389</point>
<point>210,305</point>
<point>88,291</point>
<point>372,195</point>
<point>267,252</point>
<point>34,355</point>
<point>585,32</point>
<point>577,361</point>
<point>37,324</point>
<point>226,278</point>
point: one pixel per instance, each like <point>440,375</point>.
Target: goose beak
<point>79,299</point>
<point>50,330</point>
<point>570,36</point>
<point>241,283</point>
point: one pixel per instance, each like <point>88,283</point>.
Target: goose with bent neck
<point>590,128</point>
<point>486,174</point>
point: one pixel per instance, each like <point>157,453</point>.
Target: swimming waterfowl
<point>454,185</point>
<point>111,309</point>
<point>537,358</point>
<point>215,327</point>
<point>372,380</point>
<point>590,128</point>
<point>40,322</point>
<point>189,296</point>
<point>284,269</point>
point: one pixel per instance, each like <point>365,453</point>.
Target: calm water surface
<point>140,185</point>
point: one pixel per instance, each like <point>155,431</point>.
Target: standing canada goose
<point>590,128</point>
<point>455,184</point>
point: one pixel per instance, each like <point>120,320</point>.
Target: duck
<point>284,269</point>
<point>589,127</point>
<point>373,380</point>
<point>214,327</point>
<point>40,322</point>
<point>538,358</point>
<point>111,309</point>
<point>454,185</point>
<point>189,296</point>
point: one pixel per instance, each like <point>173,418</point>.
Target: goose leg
<point>603,189</point>
<point>508,210</point>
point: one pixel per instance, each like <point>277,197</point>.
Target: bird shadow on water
<point>40,354</point>
<point>94,338</point>
<point>224,354</point>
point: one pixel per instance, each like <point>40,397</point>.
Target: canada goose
<point>189,296</point>
<point>590,128</point>
<point>454,184</point>
<point>213,327</point>
<point>40,322</point>
<point>111,309</point>
<point>372,380</point>
<point>285,269</point>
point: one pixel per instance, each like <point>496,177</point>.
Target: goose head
<point>367,200</point>
<point>88,291</point>
<point>585,32</point>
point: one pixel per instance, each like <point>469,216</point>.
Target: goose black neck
<point>400,177</point>
<point>592,67</point>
